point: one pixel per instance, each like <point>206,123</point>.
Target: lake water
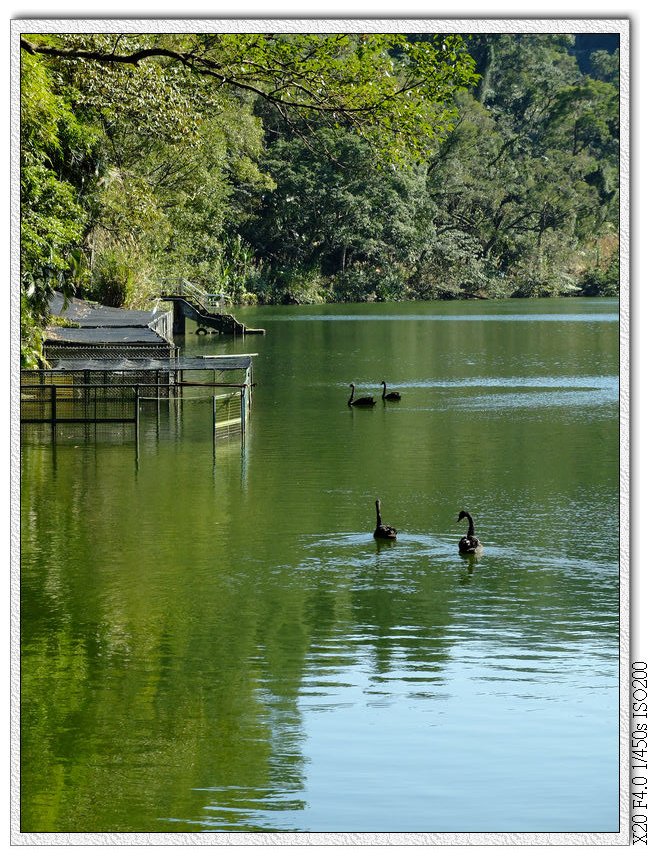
<point>212,640</point>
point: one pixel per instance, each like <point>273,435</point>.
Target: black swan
<point>361,401</point>
<point>393,396</point>
<point>382,531</point>
<point>470,543</point>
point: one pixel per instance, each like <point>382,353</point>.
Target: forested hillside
<point>309,168</point>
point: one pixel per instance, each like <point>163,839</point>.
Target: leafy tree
<point>54,143</point>
<point>529,173</point>
<point>336,213</point>
<point>397,91</point>
<point>605,66</point>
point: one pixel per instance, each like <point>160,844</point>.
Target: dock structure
<point>206,310</point>
<point>101,390</point>
<point>96,331</point>
<point>103,362</point>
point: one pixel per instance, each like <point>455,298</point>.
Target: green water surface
<point>212,640</point>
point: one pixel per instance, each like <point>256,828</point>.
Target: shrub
<point>114,277</point>
<point>601,281</point>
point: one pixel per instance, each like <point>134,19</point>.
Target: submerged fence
<point>66,401</point>
<point>229,410</point>
<point>91,403</point>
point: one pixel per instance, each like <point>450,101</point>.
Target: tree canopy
<point>394,90</point>
<point>314,167</point>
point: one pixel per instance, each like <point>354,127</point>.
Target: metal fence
<point>95,397</point>
<point>103,351</point>
<point>79,403</point>
<point>229,410</point>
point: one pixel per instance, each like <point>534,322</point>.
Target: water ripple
<point>514,392</point>
<point>513,317</point>
<point>410,547</point>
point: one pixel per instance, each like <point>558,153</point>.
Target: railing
<point>206,301</point>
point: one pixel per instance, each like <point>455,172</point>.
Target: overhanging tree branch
<point>340,99</point>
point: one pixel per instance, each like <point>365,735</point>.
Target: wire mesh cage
<point>91,396</point>
<point>87,391</point>
<point>228,412</point>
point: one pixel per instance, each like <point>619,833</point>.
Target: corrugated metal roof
<point>103,335</point>
<point>90,314</point>
<point>123,364</point>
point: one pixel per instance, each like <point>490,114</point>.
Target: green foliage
<point>334,211</point>
<point>601,280</point>
<point>31,343</point>
<point>313,167</point>
<point>605,66</point>
<point>53,218</point>
<point>120,277</point>
<point>529,174</point>
<point>393,89</point>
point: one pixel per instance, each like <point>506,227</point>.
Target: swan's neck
<point>378,514</point>
<point>470,527</point>
<point>351,395</point>
<point>384,391</point>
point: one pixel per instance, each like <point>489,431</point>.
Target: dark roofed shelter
<point>97,331</point>
<point>101,361</point>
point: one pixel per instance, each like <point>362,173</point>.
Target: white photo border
<point>539,25</point>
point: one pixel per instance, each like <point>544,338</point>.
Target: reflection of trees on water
<point>404,626</point>
<point>143,706</point>
<point>185,706</point>
<point>173,687</point>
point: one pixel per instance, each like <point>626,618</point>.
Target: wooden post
<point>178,320</point>
<point>214,427</point>
<point>53,408</point>
<point>249,382</point>
<point>137,428</point>
<point>86,380</point>
<point>243,410</point>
